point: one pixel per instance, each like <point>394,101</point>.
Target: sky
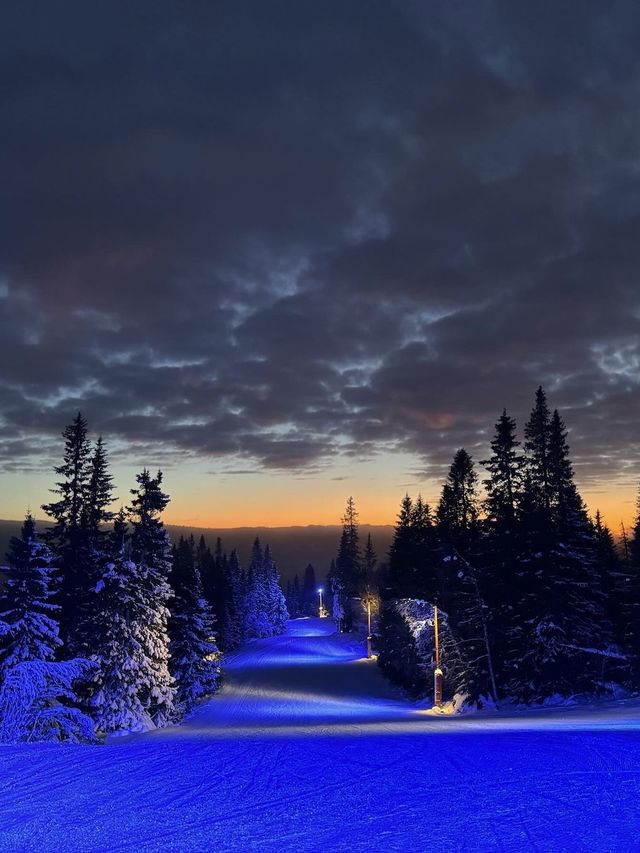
<point>293,251</point>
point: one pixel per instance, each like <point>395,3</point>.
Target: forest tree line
<point>107,626</point>
<point>539,597</point>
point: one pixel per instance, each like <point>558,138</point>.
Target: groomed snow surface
<point>307,748</point>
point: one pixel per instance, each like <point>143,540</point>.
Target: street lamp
<point>321,610</point>
<point>369,653</point>
<point>367,603</point>
<point>437,673</point>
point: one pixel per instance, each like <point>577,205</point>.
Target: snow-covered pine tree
<point>26,606</point>
<point>536,445</point>
<point>458,529</point>
<point>558,610</point>
<point>337,602</point>
<point>151,552</point>
<point>500,545</point>
<point>348,567</point>
<point>95,515</point>
<point>38,702</point>
<point>580,597</point>
<point>402,568</point>
<point>277,612</point>
<point>232,631</point>
<point>37,694</point>
<point>194,655</point>
<point>427,551</point>
<point>256,607</point>
<point>67,537</point>
<point>612,581</point>
<point>461,593</point>
<point>630,598</point>
<point>118,700</point>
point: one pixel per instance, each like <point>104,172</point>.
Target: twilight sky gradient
<point>292,251</point>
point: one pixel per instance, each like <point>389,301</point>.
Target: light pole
<point>369,654</point>
<point>321,610</point>
<point>437,673</point>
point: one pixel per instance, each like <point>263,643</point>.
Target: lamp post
<point>437,673</point>
<point>321,609</point>
<point>369,654</point>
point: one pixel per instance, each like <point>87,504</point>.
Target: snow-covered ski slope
<point>306,748</point>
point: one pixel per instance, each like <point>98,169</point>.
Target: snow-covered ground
<point>307,748</point>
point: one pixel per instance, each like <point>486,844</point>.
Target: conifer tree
<point>98,495</point>
<point>68,535</point>
<point>95,515</point>
<point>458,508</point>
<point>348,568</point>
<point>232,629</point>
<point>256,601</point>
<point>504,484</point>
<point>194,655</point>
<point>123,677</point>
<point>630,597</point>
<point>37,693</point>
<point>500,548</point>
<point>277,606</point>
<point>536,433</point>
<point>429,577</point>
<point>557,614</point>
<point>26,606</point>
<point>402,569</point>
<point>151,552</point>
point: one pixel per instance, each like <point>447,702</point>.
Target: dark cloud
<point>288,232</point>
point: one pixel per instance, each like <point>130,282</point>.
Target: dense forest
<point>538,599</point>
<point>105,625</point>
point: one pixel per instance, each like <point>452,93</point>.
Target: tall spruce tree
<point>26,605</point>
<point>124,676</point>
<point>194,655</point>
<point>277,606</point>
<point>232,628</point>
<point>501,544</point>
<point>256,602</point>
<point>38,695</point>
<point>402,568</point>
<point>536,433</point>
<point>348,567</point>
<point>558,613</point>
<point>426,543</point>
<point>95,516</point>
<point>458,509</point>
<point>151,552</point>
<point>68,535</point>
<point>461,594</point>
<point>630,598</point>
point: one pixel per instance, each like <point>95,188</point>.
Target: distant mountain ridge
<point>293,547</point>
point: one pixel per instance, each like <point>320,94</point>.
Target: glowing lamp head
<point>320,589</point>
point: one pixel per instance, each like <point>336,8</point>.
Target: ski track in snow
<point>307,748</point>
